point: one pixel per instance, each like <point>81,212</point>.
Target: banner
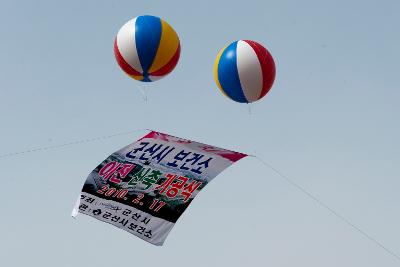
<point>145,187</point>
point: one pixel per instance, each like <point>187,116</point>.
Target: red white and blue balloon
<point>147,48</point>
<point>244,71</point>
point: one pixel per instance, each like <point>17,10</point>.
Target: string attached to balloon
<point>143,89</point>
<point>249,109</point>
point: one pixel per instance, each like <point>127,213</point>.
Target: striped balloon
<point>147,48</point>
<point>244,71</point>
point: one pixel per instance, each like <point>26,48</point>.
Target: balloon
<point>244,71</point>
<point>147,48</point>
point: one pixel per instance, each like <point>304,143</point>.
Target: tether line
<point>77,142</point>
<point>331,210</point>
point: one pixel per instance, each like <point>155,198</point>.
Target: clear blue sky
<point>331,123</point>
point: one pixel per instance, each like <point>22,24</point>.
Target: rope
<point>331,210</point>
<point>77,142</point>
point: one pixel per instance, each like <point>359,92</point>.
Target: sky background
<point>330,123</point>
